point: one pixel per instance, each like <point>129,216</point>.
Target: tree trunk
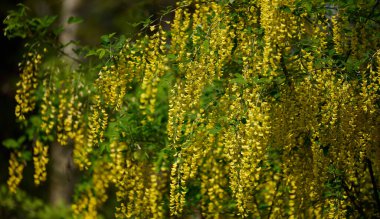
<point>62,176</point>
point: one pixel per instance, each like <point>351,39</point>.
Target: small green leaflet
<point>12,143</point>
<point>74,20</point>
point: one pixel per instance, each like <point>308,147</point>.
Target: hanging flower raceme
<point>26,87</point>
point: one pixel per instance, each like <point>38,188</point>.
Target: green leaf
<point>91,53</point>
<point>166,10</point>
<point>74,20</point>
<point>285,8</point>
<point>172,56</point>
<point>216,129</point>
<point>280,79</point>
<point>36,121</point>
<point>11,143</point>
<point>147,22</point>
<point>104,148</point>
<point>101,53</point>
<point>30,133</point>
<point>21,140</point>
<point>26,155</point>
<point>263,81</point>
<point>106,39</point>
<point>206,45</point>
<point>239,79</point>
<point>58,31</point>
<point>308,7</point>
<point>47,21</point>
<point>120,42</point>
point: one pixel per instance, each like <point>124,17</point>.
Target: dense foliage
<point>259,109</point>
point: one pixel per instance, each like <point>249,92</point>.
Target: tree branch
<point>373,180</point>
<point>353,201</point>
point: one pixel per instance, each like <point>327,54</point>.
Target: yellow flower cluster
<point>177,189</point>
<point>212,39</point>
<point>27,85</point>
<point>111,82</point>
<point>85,207</point>
<point>176,112</point>
<point>130,192</point>
<point>48,109</point>
<point>213,45</point>
<point>88,202</point>
<point>97,124</point>
<point>101,179</point>
<point>371,85</point>
<point>186,168</point>
<point>40,160</point>
<point>138,187</point>
<point>155,67</point>
<point>154,197</point>
<point>337,34</point>
<point>68,115</point>
<point>80,151</point>
<point>16,167</point>
<point>280,27</point>
<point>315,124</point>
<point>213,182</point>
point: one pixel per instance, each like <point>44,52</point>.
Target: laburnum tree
<point>239,108</point>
